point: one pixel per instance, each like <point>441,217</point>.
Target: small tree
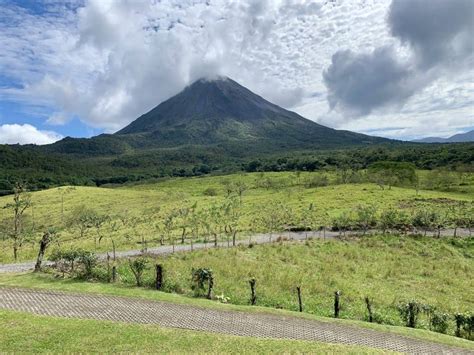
<point>138,266</point>
<point>83,219</point>
<point>271,218</point>
<point>231,216</point>
<point>240,188</point>
<point>310,219</point>
<point>88,260</point>
<point>342,223</point>
<point>21,201</point>
<point>366,217</point>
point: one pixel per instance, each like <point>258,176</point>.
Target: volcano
<point>223,112</point>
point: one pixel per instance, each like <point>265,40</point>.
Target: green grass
<point>37,334</point>
<point>47,281</point>
<point>142,206</point>
<point>388,269</point>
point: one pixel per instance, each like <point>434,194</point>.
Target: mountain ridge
<point>457,138</point>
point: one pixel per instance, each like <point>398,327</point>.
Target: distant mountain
<point>224,113</point>
<point>457,138</point>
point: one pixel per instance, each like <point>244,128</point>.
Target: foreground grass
<point>35,334</point>
<point>135,210</point>
<point>48,282</point>
<point>388,269</point>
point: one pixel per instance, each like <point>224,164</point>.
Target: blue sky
<point>399,69</point>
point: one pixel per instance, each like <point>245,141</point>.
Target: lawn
<point>46,281</point>
<point>38,334</point>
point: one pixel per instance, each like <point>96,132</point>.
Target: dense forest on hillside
<point>42,169</point>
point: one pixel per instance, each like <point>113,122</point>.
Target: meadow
<point>388,269</point>
<point>134,216</point>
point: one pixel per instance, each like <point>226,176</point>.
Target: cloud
<point>359,83</point>
<point>26,134</point>
<point>438,31</point>
<point>438,36</point>
<point>107,62</point>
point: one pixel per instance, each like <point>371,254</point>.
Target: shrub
<point>439,322</point>
<point>88,260</point>
<point>199,278</point>
<point>409,312</point>
<point>317,180</point>
<point>464,325</point>
<point>138,265</point>
<point>210,191</point>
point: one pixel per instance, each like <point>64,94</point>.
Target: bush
<point>138,265</point>
<point>317,180</point>
<point>439,322</point>
<point>409,312</point>
<point>210,191</point>
<point>199,278</point>
<point>65,261</point>
<point>88,260</point>
<point>464,325</point>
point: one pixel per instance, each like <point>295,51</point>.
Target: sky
<point>401,69</point>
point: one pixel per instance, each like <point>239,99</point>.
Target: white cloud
<point>107,62</point>
<point>26,134</point>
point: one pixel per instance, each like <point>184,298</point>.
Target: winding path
<point>135,310</point>
<point>254,239</point>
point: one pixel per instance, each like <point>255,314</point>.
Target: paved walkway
<point>254,239</point>
<point>135,310</point>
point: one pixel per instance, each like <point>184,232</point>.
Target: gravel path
<point>255,239</point>
<point>134,310</point>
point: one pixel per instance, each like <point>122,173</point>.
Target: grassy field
<point>387,269</point>
<point>46,281</point>
<point>38,334</point>
<point>136,212</point>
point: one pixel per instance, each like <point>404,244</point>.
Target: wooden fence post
<point>159,276</point>
<point>211,285</point>
<point>337,305</point>
<point>114,273</point>
<point>298,289</point>
<point>253,299</point>
<point>369,309</point>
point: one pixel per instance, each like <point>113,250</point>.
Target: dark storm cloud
<point>438,34</point>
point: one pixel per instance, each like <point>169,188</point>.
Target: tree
<point>366,217</point>
<point>63,191</point>
<point>21,201</point>
<point>310,219</point>
<point>82,218</point>
<point>271,218</point>
<point>240,188</point>
<point>168,226</point>
<point>389,173</point>
<point>231,217</point>
<point>184,215</point>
